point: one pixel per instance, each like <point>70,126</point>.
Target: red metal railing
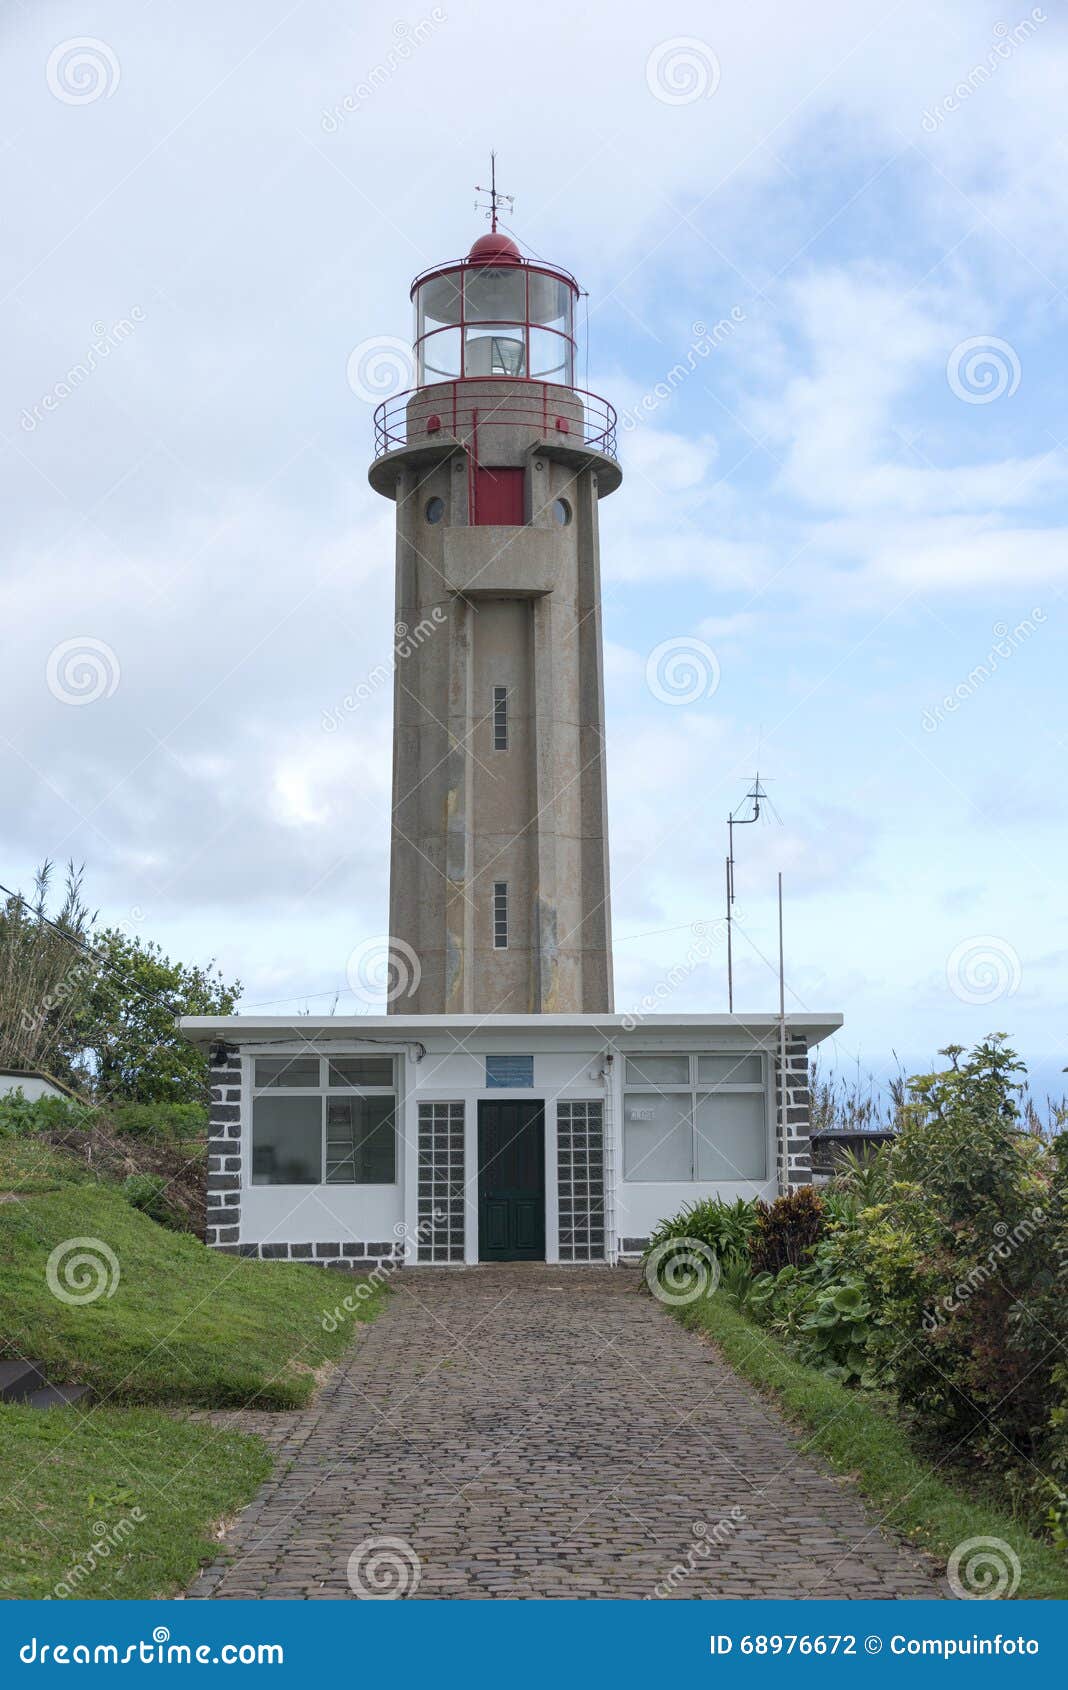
<point>451,410</point>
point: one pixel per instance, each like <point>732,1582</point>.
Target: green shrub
<point>864,1177</point>
<point>787,1231</point>
<point>823,1310</point>
<point>937,1268</point>
<point>20,1116</point>
<point>724,1228</point>
<point>147,1192</point>
<point>981,1203</point>
<point>836,1330</point>
<point>173,1121</point>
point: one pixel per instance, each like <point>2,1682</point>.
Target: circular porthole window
<point>561,512</point>
<point>435,510</point>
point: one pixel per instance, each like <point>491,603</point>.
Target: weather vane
<point>496,199</point>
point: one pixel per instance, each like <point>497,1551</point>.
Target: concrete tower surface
<point>499,862</point>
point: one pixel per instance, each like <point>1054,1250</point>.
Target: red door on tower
<point>499,497</point>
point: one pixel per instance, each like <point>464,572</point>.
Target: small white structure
<point>32,1084</point>
<point>348,1140</point>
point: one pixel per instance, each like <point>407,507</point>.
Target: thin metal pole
<point>783,1128</point>
<point>730,959</point>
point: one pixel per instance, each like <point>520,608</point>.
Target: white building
<point>559,1138</point>
<point>33,1084</point>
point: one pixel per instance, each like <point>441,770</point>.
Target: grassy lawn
<point>183,1324</point>
<point>28,1166</point>
<point>116,1502</point>
<point>855,1437</point>
<point>107,1499</point>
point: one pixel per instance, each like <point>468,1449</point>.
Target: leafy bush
<point>980,1201</point>
<point>836,1330</point>
<point>864,1177</point>
<point>20,1116</point>
<point>787,1231</point>
<point>147,1192</point>
<point>173,1121</point>
<point>827,1318</point>
<point>937,1268</point>
<point>168,1122</point>
<point>128,1021</point>
<point>725,1228</point>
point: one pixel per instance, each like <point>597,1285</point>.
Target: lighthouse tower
<point>497,461</point>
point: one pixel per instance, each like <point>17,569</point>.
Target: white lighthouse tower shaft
<point>499,862</point>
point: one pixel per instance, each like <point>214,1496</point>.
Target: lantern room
<point>495,314</point>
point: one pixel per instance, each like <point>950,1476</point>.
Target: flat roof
<point>235,1029</point>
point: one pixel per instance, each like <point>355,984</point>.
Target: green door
<point>511,1182</point>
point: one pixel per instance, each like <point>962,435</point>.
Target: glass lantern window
<point>438,302</point>
<point>495,296</point>
<point>439,356</point>
<point>506,321</point>
<point>550,356</point>
<point>550,302</point>
<point>495,349</point>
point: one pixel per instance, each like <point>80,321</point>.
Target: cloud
<point>198,502</point>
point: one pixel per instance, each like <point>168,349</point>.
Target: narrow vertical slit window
<point>500,718</point>
<point>500,915</point>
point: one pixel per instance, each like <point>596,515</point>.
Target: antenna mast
<point>735,820</point>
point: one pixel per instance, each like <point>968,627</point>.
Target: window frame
<point>499,717</point>
<point>500,915</point>
<point>508,1056</point>
<point>544,305</point>
<point>324,1091</point>
<point>696,1089</point>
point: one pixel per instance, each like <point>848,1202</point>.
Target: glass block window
<point>500,718</point>
<point>580,1179</point>
<point>320,1120</point>
<point>441,1182</point>
<point>690,1117</point>
<point>500,915</point>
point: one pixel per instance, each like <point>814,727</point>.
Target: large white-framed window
<point>324,1120</point>
<point>695,1117</point>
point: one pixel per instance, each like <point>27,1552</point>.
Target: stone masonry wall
<point>222,1221</point>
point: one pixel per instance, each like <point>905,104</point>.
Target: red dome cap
<point>494,249</point>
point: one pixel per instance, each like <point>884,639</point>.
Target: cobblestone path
<point>528,1431</point>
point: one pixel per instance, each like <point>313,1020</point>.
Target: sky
<point>824,256</point>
